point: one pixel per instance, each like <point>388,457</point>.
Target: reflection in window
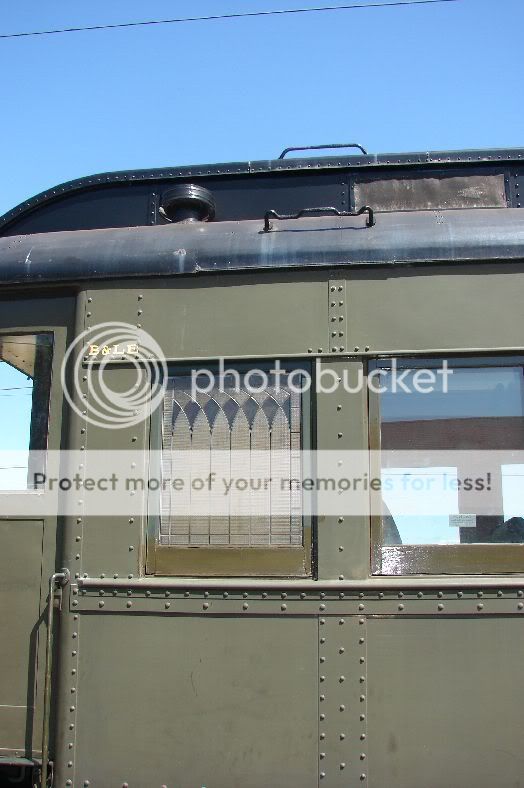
<point>479,409</point>
<point>24,402</point>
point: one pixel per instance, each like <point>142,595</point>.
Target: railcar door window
<point>25,376</point>
<point>452,466</point>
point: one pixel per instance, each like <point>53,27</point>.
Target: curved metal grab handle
<point>57,580</point>
<point>308,211</point>
<point>325,147</point>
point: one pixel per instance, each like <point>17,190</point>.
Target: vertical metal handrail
<point>57,580</point>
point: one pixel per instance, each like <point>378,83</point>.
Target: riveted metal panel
<point>343,541</point>
<point>445,703</point>
<point>342,701</point>
<point>260,315</point>
<point>436,309</point>
<point>193,702</point>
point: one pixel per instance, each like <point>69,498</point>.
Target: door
<point>33,335</point>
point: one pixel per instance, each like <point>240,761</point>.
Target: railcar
<point>160,644</point>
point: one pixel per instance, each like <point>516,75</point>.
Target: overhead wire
<point>216,17</point>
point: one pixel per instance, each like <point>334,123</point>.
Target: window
<point>25,375</point>
<point>451,464</point>
<point>231,470</point>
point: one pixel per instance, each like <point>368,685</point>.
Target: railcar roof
<point>319,164</point>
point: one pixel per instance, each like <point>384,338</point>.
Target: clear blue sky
<point>397,79</point>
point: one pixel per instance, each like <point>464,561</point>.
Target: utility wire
<point>242,15</point>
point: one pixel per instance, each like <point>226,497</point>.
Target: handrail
<point>312,211</point>
<point>57,580</point>
<point>325,147</point>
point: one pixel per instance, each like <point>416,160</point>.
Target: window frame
<point>232,561</point>
<point>460,559</point>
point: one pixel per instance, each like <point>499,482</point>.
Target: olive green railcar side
<point>346,675</point>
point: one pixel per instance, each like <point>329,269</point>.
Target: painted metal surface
<point>343,678</point>
<point>396,239</point>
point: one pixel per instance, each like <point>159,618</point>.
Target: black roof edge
<point>427,158</point>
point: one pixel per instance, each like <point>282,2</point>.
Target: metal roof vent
<point>187,203</point>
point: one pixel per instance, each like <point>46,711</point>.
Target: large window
<point>25,376</point>
<point>451,440</point>
<point>231,471</point>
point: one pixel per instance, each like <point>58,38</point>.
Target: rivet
<point>420,594</point>
<point>341,679</point>
<point>283,595</point>
<point>460,594</point>
<point>322,736</point>
<point>206,605</point>
<point>322,678</point>
<point>341,519</point>
<point>101,603</point>
<point>362,717</point>
<point>356,349</point>
<point>362,736</point>
<point>341,707</point>
<point>499,593</point>
<point>362,698</point>
<point>264,594</point>
<point>362,660</point>
<point>361,607</point>
<point>245,594</point>
<point>342,736</point>
<point>322,697</point>
<point>322,775</point>
<point>361,641</point>
<point>302,595</point>
<point>341,595</point>
<point>283,607</point>
<point>71,708</point>
<point>86,783</point>
<point>129,603</point>
<point>366,348</point>
<point>322,659</point>
<point>341,650</point>
<point>440,594</point>
<point>167,605</point>
<point>440,606</point>
<point>225,594</point>
<point>75,602</point>
<point>362,756</point>
<point>480,594</point>
<point>322,621</point>
<point>339,434</point>
<point>322,607</point>
<point>341,577</point>
<point>520,605</point>
<point>322,641</point>
<point>322,717</point>
<point>342,765</point>
<point>520,593</point>
<point>480,606</point>
<point>362,777</point>
<point>245,606</point>
<point>341,621</point>
<point>72,726</point>
<point>381,595</point>
<point>362,621</point>
<point>401,607</point>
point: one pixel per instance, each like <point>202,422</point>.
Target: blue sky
<point>397,79</point>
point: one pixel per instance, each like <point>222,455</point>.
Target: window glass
<point>25,363</point>
<point>452,453</point>
<point>244,436</point>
